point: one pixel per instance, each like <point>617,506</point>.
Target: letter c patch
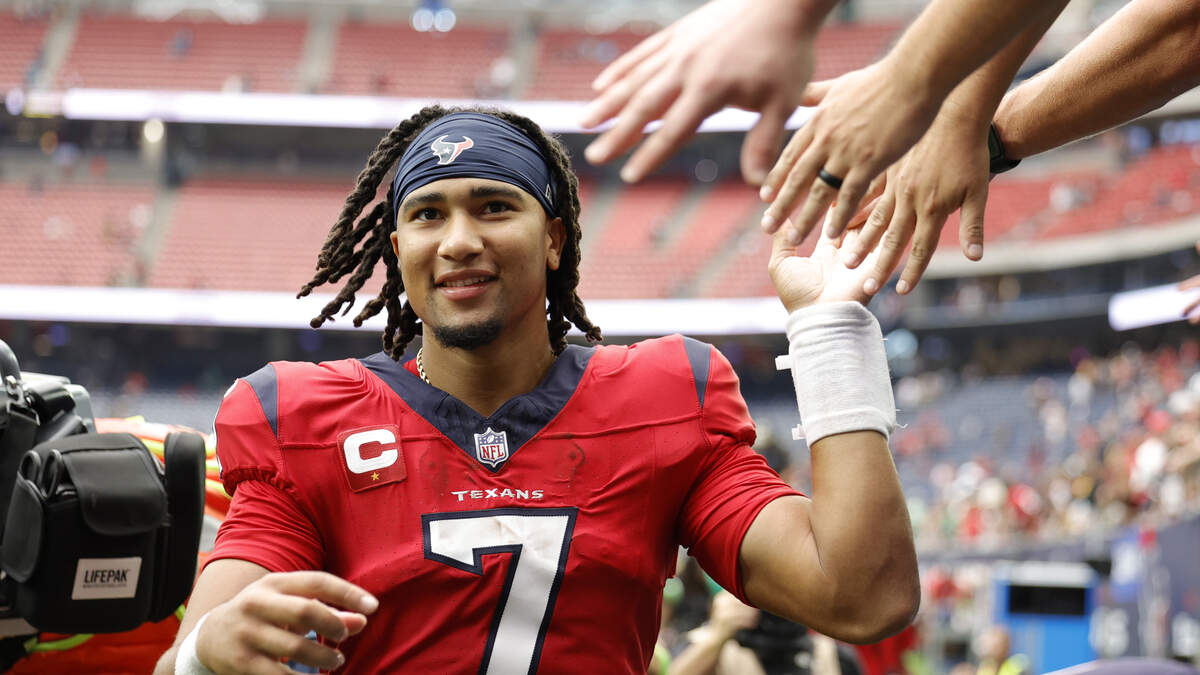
<point>372,456</point>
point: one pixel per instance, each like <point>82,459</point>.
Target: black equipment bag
<point>98,537</point>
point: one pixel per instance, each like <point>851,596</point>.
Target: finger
<point>869,202</point>
<point>798,184</point>
<point>815,92</point>
<point>970,224</point>
<point>923,245</point>
<point>325,587</point>
<point>864,212</point>
<point>780,248</point>
<point>792,152</point>
<point>761,145</point>
<point>854,187</point>
<point>353,621</point>
<point>647,105</point>
<point>872,230</point>
<point>1188,284</point>
<point>299,614</point>
<point>614,99</point>
<point>820,196</point>
<point>281,644</point>
<point>679,124</point>
<point>630,59</point>
<point>259,664</point>
<point>891,248</point>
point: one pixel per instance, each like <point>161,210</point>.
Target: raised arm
<point>842,563</point>
<point>866,122</point>
<point>1143,56</point>
<point>946,170</point>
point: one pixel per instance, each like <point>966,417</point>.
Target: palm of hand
<point>818,278</point>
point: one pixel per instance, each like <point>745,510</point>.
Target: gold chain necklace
<point>421,366</point>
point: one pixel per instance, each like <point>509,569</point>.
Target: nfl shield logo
<point>491,447</point>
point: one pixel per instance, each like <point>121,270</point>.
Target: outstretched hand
<point>750,54</point>
<point>865,120</point>
<point>269,620</point>
<point>820,277</point>
<point>945,171</point>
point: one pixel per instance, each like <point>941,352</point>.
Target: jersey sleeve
<point>247,431</point>
<point>265,523</point>
<point>733,484</point>
<point>265,526</point>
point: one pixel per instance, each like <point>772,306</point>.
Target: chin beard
<point>468,337</point>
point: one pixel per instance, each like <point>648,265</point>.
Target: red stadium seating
<point>1156,188</point>
<point>247,234</point>
<point>845,47</point>
<point>567,61</point>
<point>624,263</point>
<point>20,42</point>
<point>127,53</point>
<point>727,210</point>
<point>75,235</point>
<point>395,60</point>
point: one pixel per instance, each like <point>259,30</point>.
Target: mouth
<point>465,282</point>
<point>465,285</point>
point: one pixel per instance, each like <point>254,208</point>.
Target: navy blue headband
<point>474,145</point>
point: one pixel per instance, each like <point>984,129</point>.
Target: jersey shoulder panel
<point>662,377</point>
<point>273,406</point>
<point>673,376</point>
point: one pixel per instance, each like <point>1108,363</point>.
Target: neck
<point>485,377</point>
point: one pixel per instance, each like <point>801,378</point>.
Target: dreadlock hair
<point>342,254</point>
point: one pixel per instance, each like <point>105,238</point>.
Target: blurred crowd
<point>1116,442</point>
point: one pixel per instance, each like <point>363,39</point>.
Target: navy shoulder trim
<point>699,354</point>
<point>265,384</point>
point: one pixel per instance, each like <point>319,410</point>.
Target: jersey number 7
<point>538,541</point>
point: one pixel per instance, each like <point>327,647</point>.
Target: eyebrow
<point>476,193</point>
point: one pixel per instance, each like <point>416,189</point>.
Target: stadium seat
<point>122,52</point>
<point>71,235</point>
<point>20,45</point>
<point>427,65</point>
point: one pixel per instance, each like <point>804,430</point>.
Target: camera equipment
<point>98,536</point>
<point>786,648</point>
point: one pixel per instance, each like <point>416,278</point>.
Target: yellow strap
<point>32,645</point>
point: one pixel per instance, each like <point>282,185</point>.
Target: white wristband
<point>187,661</point>
<point>840,370</point>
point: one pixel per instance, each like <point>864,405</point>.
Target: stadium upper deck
<point>667,237</point>
<point>100,50</point>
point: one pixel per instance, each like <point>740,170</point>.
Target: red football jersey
<point>534,540</point>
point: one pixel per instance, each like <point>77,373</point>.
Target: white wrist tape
<point>187,661</point>
<point>840,370</point>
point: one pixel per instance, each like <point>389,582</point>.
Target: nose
<point>460,237</point>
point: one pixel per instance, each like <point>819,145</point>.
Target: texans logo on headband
<point>498,151</point>
<point>446,152</point>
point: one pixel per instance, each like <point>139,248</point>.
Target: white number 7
<point>538,540</point>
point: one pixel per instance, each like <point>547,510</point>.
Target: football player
<point>505,502</point>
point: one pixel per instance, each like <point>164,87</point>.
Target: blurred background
<point>169,170</point>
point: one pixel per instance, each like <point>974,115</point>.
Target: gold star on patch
<point>375,475</point>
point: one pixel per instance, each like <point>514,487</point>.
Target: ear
<point>556,239</point>
<point>395,244</point>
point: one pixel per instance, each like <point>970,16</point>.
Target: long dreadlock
<point>341,254</point>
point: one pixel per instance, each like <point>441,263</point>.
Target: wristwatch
<point>998,161</point>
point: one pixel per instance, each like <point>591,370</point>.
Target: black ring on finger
<point>829,179</point>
